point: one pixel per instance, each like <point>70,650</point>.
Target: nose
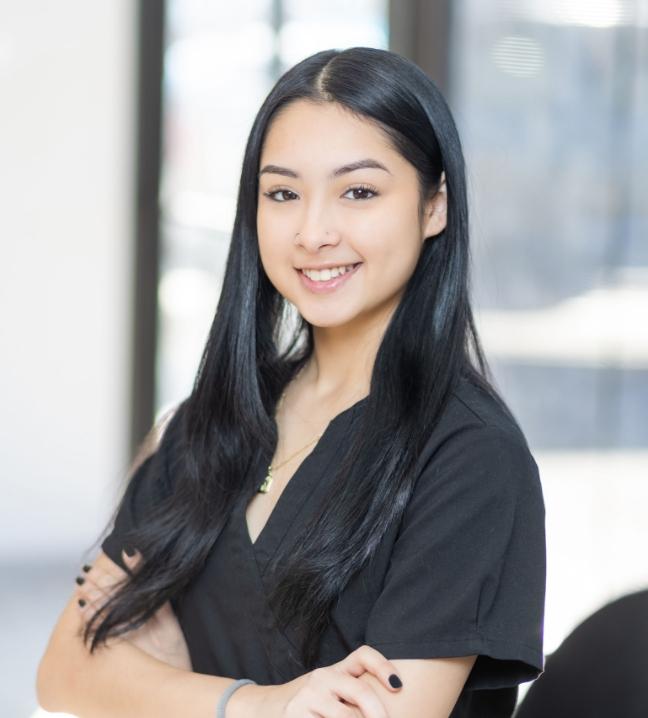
<point>313,240</point>
<point>315,217</point>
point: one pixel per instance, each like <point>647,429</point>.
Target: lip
<point>331,284</point>
<point>329,265</point>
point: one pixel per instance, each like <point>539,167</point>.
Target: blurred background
<point>122,133</point>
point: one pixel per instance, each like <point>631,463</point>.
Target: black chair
<point>600,670</point>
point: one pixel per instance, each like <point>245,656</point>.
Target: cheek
<point>276,258</point>
<point>270,241</point>
<point>391,243</point>
<point>274,263</point>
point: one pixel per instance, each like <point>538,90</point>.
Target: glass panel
<point>220,62</point>
<point>551,99</point>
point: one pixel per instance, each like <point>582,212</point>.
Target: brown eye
<point>362,190</point>
<point>272,194</point>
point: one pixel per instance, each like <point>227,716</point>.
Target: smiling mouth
<point>323,275</point>
<point>328,283</point>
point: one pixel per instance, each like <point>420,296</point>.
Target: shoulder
<point>158,449</point>
<point>478,444</point>
<point>472,405</point>
<point>472,412</point>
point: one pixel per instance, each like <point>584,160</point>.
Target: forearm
<point>122,680</point>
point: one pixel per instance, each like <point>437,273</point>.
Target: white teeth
<point>323,275</point>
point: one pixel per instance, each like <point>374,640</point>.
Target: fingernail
<point>86,568</point>
<point>129,550</point>
<point>80,580</point>
<point>81,602</point>
<point>395,681</point>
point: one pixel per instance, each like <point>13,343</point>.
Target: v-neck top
<point>462,573</point>
<point>296,491</point>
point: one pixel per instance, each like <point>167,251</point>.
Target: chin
<point>328,320</point>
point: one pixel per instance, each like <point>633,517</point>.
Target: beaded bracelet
<point>220,710</point>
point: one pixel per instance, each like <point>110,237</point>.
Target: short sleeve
<point>145,489</point>
<point>468,567</point>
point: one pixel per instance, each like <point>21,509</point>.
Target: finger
<point>92,595</point>
<point>88,613</point>
<point>95,580</point>
<point>86,606</point>
<point>99,578</point>
<point>330,706</point>
<point>87,610</point>
<point>93,598</point>
<point>107,581</point>
<point>359,694</point>
<point>366,658</point>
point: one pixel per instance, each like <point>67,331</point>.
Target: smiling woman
<point>350,497</point>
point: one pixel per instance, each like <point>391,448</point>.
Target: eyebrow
<point>359,164</point>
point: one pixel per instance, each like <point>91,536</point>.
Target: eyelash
<point>364,187</point>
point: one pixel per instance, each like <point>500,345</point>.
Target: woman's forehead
<point>326,140</point>
<point>304,120</point>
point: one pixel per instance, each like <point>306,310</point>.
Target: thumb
<point>131,561</point>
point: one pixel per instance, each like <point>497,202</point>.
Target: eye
<point>272,194</point>
<point>363,188</point>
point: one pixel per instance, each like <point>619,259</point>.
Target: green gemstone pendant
<point>265,486</point>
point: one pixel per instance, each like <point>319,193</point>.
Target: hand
<point>321,691</point>
<point>160,637</point>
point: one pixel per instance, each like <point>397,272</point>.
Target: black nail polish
<point>130,551</point>
<point>80,580</point>
<point>395,681</point>
<point>86,568</point>
<point>81,602</point>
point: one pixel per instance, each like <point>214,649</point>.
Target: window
<point>220,62</point>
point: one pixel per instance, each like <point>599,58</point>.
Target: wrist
<point>246,701</point>
<point>269,701</point>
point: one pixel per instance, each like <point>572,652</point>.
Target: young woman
<point>343,495</point>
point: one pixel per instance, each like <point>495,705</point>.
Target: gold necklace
<point>267,482</point>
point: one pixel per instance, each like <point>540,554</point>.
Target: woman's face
<point>316,211</point>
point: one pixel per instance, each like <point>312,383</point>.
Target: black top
<point>462,574</point>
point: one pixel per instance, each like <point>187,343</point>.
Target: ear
<point>436,210</point>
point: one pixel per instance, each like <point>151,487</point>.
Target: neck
<point>343,358</point>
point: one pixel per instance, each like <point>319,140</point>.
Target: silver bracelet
<point>220,709</point>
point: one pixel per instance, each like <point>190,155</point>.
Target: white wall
<point>67,79</point>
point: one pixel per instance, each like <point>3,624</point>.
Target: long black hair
<point>226,427</point>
